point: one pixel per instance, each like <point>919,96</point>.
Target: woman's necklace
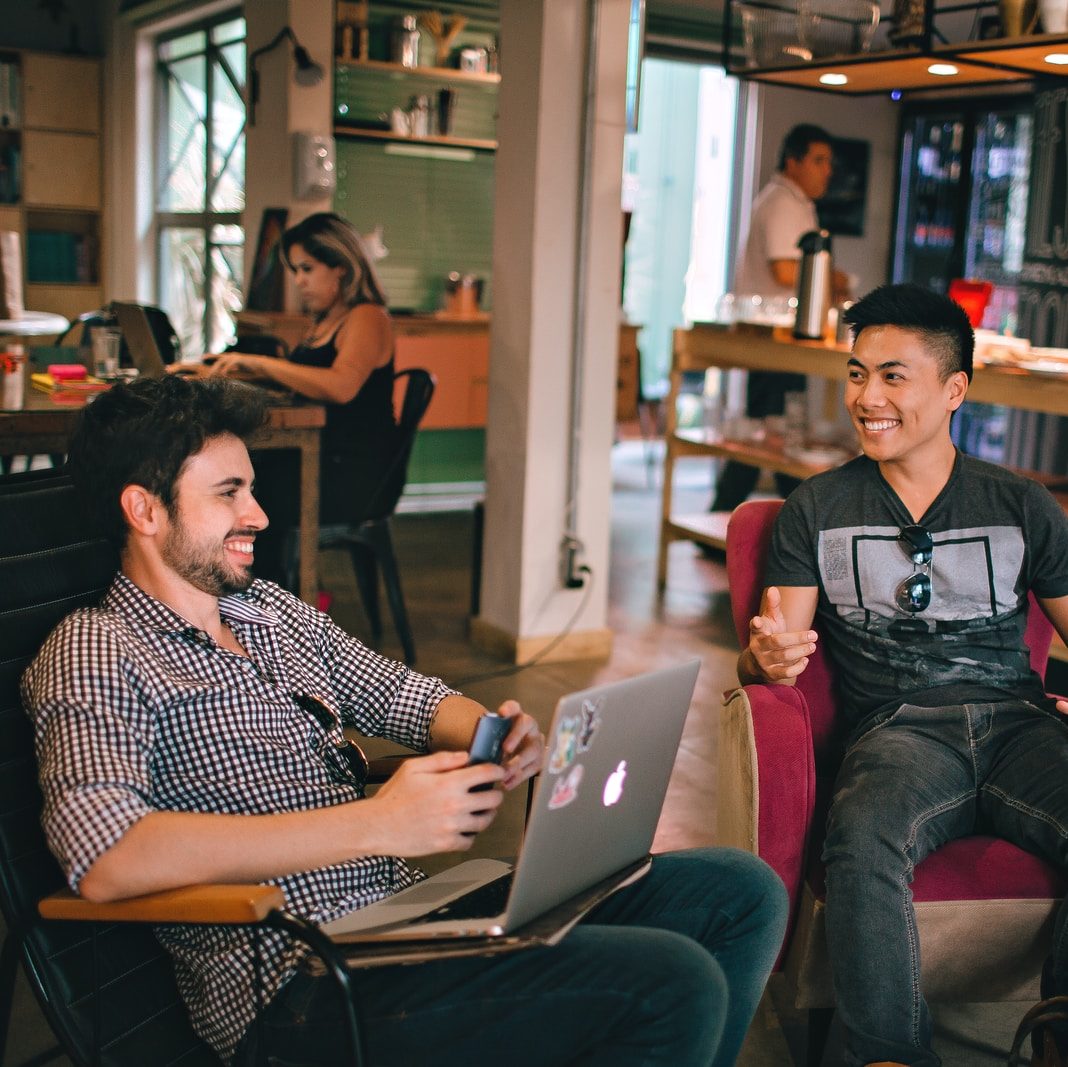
<point>324,329</point>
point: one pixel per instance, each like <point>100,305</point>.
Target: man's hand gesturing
<point>774,654</point>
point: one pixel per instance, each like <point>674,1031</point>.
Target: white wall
<point>868,118</point>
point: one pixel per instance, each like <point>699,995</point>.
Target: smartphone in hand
<point>490,732</point>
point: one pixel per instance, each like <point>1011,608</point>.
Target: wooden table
<point>44,427</point>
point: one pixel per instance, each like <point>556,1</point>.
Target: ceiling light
<point>1058,59</point>
<point>833,79</point>
<point>943,70</point>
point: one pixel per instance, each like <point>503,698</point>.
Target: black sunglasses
<point>350,754</point>
<point>914,593</point>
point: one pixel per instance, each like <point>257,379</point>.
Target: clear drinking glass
<point>106,342</point>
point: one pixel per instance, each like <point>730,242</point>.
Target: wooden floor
<point>691,619</point>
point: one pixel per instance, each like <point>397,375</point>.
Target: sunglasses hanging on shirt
<point>350,753</point>
<point>913,595</point>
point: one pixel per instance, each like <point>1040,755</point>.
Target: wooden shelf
<point>356,133</point>
<point>767,453</point>
<point>467,77</point>
<point>706,528</point>
<point>1000,61</point>
<point>880,72</point>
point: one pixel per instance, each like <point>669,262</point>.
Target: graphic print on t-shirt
<point>974,574</point>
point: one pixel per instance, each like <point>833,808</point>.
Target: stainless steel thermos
<point>813,284</point>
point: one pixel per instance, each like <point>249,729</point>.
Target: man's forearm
<point>168,849</point>
<point>454,723</point>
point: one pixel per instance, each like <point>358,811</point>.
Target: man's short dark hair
<point>142,433</point>
<point>799,140</point>
<point>942,323</point>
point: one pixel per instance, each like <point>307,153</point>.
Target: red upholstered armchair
<point>984,908</point>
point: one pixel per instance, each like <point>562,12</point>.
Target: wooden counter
<point>707,345</point>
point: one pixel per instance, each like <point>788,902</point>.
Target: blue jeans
<point>914,781</point>
<point>667,971</point>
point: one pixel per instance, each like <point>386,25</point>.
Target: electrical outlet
<point>572,575</point>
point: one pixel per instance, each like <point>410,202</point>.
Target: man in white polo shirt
<point>784,210</point>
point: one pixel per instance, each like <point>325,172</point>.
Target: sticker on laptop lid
<point>564,745</point>
<point>566,789</point>
<point>591,722</point>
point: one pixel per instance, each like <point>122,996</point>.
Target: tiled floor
<point>691,619</point>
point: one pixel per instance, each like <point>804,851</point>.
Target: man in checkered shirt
<point>189,730</point>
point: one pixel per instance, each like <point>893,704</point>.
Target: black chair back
<point>49,566</point>
<point>418,393</point>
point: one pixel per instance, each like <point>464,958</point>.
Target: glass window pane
<point>183,186</point>
<point>227,264</point>
<point>228,146</point>
<point>186,45</point>
<point>233,30</point>
<point>234,55</point>
<point>181,285</point>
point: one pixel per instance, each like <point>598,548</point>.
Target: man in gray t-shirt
<point>917,562</point>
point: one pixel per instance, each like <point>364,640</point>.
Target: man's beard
<point>206,571</point>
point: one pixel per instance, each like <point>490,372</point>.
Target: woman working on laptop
<point>346,361</point>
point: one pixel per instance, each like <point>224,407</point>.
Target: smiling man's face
<point>215,518</point>
<point>896,397</point>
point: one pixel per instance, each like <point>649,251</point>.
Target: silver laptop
<point>140,340</point>
<point>609,755</point>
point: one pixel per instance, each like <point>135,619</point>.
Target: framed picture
<point>842,208</point>
<point>266,287</point>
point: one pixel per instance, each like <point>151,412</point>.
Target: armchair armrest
<point>190,904</point>
<point>767,778</point>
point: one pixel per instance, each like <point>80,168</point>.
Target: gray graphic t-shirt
<point>996,535</point>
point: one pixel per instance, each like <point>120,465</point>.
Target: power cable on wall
<point>515,668</point>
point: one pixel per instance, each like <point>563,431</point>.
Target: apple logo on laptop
<point>613,787</point>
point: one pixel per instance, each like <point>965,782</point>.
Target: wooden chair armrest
<point>190,904</point>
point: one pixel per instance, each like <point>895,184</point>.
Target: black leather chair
<point>370,539</point>
<point>105,985</point>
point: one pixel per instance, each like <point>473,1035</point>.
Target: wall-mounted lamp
<point>308,72</point>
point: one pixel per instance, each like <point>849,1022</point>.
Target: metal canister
<point>813,285</point>
<point>406,42</point>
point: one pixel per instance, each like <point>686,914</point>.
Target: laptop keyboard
<point>482,903</point>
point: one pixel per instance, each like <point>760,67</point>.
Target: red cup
<point>973,296</point>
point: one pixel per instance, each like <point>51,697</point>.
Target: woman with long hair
<point>346,361</point>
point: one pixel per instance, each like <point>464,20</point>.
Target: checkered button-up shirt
<point>137,711</point>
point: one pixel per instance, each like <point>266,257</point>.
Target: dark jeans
<point>920,778</point>
<point>667,971</point>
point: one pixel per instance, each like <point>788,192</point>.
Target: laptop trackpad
<point>411,903</point>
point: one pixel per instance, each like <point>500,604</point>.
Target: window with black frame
<point>200,187</point>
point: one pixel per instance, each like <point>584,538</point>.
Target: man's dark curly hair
<point>142,433</point>
<point>942,323</point>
